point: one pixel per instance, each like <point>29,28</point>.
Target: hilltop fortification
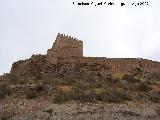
<point>67,55</point>
<point>86,87</point>
<point>65,46</point>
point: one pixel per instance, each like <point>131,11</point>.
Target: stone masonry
<point>65,46</point>
<point>67,55</point>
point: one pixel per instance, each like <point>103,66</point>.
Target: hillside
<point>64,84</point>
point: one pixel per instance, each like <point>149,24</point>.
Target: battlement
<point>65,46</point>
<point>67,54</point>
<point>65,40</point>
<point>63,36</point>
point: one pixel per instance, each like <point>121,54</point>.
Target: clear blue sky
<point>30,27</point>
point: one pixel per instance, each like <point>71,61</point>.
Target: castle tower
<point>65,46</point>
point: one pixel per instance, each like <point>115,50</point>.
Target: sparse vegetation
<point>39,88</point>
<point>31,94</point>
<point>137,72</point>
<point>114,95</point>
<point>92,87</point>
<point>158,112</point>
<point>155,97</point>
<point>4,91</point>
<point>90,95</point>
<point>84,79</point>
<point>63,97</point>
<point>76,95</point>
<point>130,78</point>
<point>141,87</point>
<point>153,76</point>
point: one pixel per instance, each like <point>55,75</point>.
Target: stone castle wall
<point>109,64</point>
<point>65,46</point>
<point>32,65</point>
<point>38,64</point>
<point>67,54</point>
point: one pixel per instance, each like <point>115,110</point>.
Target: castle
<point>67,55</point>
<point>65,47</point>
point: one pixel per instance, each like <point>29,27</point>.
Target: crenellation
<point>65,46</point>
<point>67,54</point>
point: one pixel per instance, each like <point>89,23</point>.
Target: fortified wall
<point>67,55</point>
<point>65,46</point>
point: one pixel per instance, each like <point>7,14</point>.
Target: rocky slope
<point>45,109</point>
<point>65,85</point>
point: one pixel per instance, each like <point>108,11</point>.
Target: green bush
<point>39,88</point>
<point>31,94</point>
<point>4,91</point>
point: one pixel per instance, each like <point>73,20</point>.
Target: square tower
<point>65,46</point>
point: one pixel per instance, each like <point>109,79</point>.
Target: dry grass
<point>114,95</point>
<point>92,95</point>
<point>91,86</point>
<point>141,87</point>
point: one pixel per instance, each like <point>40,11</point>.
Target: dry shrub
<point>155,97</point>
<point>141,87</point>
<point>130,78</point>
<point>83,96</point>
<point>4,91</point>
<point>62,97</point>
<point>114,95</point>
<point>31,94</point>
<point>89,95</point>
<point>39,88</point>
<point>158,112</point>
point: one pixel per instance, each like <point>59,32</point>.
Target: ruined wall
<point>38,64</point>
<point>65,46</point>
<point>108,64</point>
<point>20,67</point>
<point>67,55</point>
<point>32,65</point>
